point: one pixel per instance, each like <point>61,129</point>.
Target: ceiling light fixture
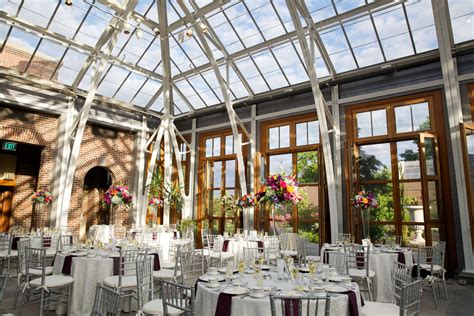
<point>126,28</point>
<point>68,2</point>
<point>156,31</point>
<point>203,27</point>
<point>189,33</point>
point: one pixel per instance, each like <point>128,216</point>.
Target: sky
<point>240,25</point>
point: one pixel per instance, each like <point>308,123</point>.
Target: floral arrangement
<point>229,205</point>
<point>364,200</point>
<point>42,196</point>
<point>155,202</point>
<point>118,195</point>
<point>246,201</point>
<point>282,221</point>
<point>279,189</point>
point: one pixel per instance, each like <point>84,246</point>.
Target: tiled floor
<point>460,303</point>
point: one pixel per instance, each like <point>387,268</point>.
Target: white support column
<point>167,100</point>
<point>337,149</point>
<point>225,92</point>
<point>251,165</point>
<point>140,174</point>
<point>61,162</point>
<point>192,173</point>
<point>454,109</point>
<point>323,125</point>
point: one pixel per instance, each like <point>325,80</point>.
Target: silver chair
<point>219,255</point>
<point>165,274</point>
<point>107,301</point>
<point>436,266</point>
<point>178,298</point>
<point>65,242</point>
<point>3,285</point>
<point>48,289</point>
<point>120,231</point>
<point>289,305</point>
<point>407,294</point>
<point>6,253</point>
<point>344,238</point>
<point>192,264</point>
<point>313,252</point>
<point>357,267</point>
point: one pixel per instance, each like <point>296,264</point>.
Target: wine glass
<point>241,266</point>
<point>312,268</point>
<point>229,270</point>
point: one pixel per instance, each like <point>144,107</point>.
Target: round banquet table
<point>206,299</point>
<point>236,247</point>
<point>382,264</point>
<point>162,240</point>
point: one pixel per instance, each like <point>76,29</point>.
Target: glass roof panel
<point>288,59</point>
<point>243,25</point>
<point>38,12</point>
<point>146,92</point>
<point>130,87</point>
<point>236,86</point>
<point>270,69</point>
<point>320,10</point>
<point>135,47</point>
<point>204,90</point>
<point>18,49</point>
<point>46,59</point>
<point>462,17</point>
<point>194,52</point>
<point>188,91</point>
<point>267,19</point>
<point>421,20</point>
<point>393,31</point>
<point>158,105</point>
<point>66,21</point>
<point>70,66</point>
<point>338,49</point>
<point>144,5</point>
<point>11,6</point>
<point>151,58</point>
<point>225,33</point>
<point>3,32</point>
<point>343,6</point>
<point>95,20</point>
<point>112,81</point>
<point>252,75</point>
<point>284,14</point>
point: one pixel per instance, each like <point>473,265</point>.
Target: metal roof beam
<point>337,19</point>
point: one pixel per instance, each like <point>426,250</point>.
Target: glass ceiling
<point>54,41</point>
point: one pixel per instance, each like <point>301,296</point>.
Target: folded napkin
<point>261,245</point>
<point>175,234</point>
<point>224,304</point>
<point>225,245</point>
<point>156,262</point>
<point>15,243</point>
<point>352,299</point>
<point>401,257</point>
<point>360,259</point>
<point>153,235</point>
<point>46,242</point>
<point>292,307</point>
<point>67,264</point>
<point>117,264</point>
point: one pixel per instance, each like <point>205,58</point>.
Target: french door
<point>6,197</point>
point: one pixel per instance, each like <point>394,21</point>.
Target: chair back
<point>357,257</point>
<point>250,254</point>
<point>308,305</point>
<point>106,302</point>
<point>439,251</point>
<point>423,255</point>
<point>398,240</point>
<point>284,241</point>
<point>401,275</point>
<point>127,262</point>
<point>191,263</point>
<point>66,242</point>
<point>410,295</point>
<point>178,296</point>
<point>120,231</point>
<point>5,243</point>
<point>35,260</point>
<point>144,281</point>
<point>23,243</point>
<point>344,238</point>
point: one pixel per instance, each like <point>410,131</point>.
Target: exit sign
<point>10,146</point>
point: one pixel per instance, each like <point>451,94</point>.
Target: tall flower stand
<point>113,214</point>
<point>40,215</point>
<point>154,212</point>
<point>365,217</point>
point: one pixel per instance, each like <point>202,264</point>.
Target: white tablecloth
<point>382,265</point>
<point>236,247</point>
<point>206,300</point>
<point>100,232</point>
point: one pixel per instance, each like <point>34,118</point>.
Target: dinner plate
<point>79,254</point>
<point>257,294</point>
<point>212,285</point>
<point>335,279</point>
<point>290,293</point>
<point>236,290</point>
<point>336,289</point>
<point>304,270</point>
<point>223,270</point>
<point>217,277</point>
<point>390,250</point>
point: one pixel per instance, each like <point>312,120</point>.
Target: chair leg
<point>17,293</point>
<point>42,302</point>
<point>23,301</point>
<point>445,287</point>
<point>434,295</point>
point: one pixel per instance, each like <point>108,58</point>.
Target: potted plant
<point>185,225</point>
<point>415,210</point>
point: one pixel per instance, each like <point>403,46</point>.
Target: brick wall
<point>111,149</point>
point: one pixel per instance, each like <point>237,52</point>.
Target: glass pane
<point>379,122</point>
<point>229,144</point>
<point>435,235</point>
<point>413,235</point>
<point>307,167</point>
<point>230,174</point>
<point>374,162</point>
<point>209,147</point>
<point>215,227</point>
<point>284,136</point>
<point>411,201</point>
<point>433,199</point>
<point>216,205</point>
<point>273,139</point>
<point>301,134</point>
<point>403,119</point>
<point>430,158</point>
<point>380,233</point>
<point>364,124</point>
<point>217,177</point>
<point>281,164</point>
<point>216,151</point>
<point>408,160</point>
<point>384,196</point>
<point>421,116</point>
<point>313,132</point>
<point>310,230</point>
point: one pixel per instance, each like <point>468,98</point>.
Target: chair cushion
<point>47,271</point>
<point>129,281</point>
<point>155,307</point>
<point>165,274</point>
<point>376,309</point>
<point>53,281</point>
<point>51,251</point>
<point>360,273</point>
<point>223,255</point>
<point>167,264</point>
<point>206,252</point>
<point>426,266</point>
<point>290,253</point>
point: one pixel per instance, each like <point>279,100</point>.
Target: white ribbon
<point>28,286</point>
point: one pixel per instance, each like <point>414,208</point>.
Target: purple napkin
<point>175,234</point>
<point>423,272</point>
<point>117,261</point>
<point>46,242</point>
<point>292,307</point>
<point>360,259</point>
<point>261,245</point>
<point>199,280</point>
<point>225,245</point>
<point>134,234</point>
<point>353,310</point>
<point>67,265</point>
<point>153,236</point>
<point>401,257</point>
<point>156,262</point>
<point>224,305</point>
<point>15,243</point>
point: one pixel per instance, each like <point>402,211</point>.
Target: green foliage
<point>171,192</point>
<point>308,167</point>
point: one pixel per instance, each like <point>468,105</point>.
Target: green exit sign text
<point>10,146</point>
